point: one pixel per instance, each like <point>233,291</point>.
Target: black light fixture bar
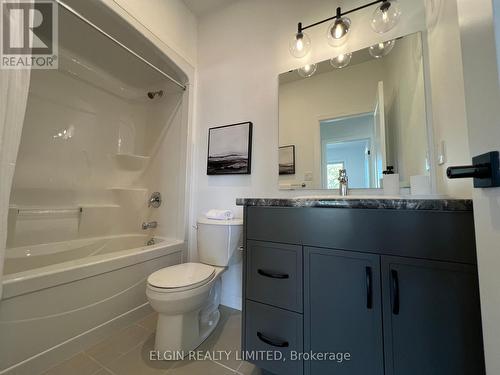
<point>338,15</point>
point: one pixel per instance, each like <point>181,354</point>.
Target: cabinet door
<point>342,311</point>
<point>432,320</point>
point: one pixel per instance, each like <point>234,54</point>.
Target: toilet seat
<point>181,277</point>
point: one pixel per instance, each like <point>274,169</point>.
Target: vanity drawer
<point>274,274</point>
<point>274,332</point>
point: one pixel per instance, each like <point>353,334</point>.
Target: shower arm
<point>117,42</point>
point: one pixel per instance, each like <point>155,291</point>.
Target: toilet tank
<point>218,240</point>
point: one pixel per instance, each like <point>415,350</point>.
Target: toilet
<point>187,296</point>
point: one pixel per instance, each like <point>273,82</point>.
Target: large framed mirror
<point>367,117</point>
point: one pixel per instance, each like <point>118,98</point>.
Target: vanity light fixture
<point>341,61</point>
<point>385,18</point>
<point>307,70</point>
<point>300,45</point>
<point>380,50</point>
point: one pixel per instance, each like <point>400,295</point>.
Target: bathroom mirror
<point>363,112</point>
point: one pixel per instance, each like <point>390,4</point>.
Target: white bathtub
<point>63,296</point>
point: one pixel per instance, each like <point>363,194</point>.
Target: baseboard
<point>60,352</point>
<point>231,301</point>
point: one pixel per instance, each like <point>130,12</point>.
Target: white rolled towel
<point>220,214</point>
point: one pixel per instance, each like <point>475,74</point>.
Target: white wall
<point>170,20</point>
<point>482,94</point>
<point>241,50</point>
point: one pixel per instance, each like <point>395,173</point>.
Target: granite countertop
<point>392,203</point>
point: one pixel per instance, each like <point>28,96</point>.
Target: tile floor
<point>127,353</point>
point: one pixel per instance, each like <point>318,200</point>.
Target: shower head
<point>152,94</point>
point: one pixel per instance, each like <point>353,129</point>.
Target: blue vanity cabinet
<point>343,312</point>
<point>432,318</point>
<point>397,290</point>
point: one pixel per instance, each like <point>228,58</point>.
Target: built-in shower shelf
<point>58,210</point>
<point>45,211</point>
<point>105,205</point>
<point>124,188</point>
<point>131,162</point>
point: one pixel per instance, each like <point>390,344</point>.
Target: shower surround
<point>99,136</point>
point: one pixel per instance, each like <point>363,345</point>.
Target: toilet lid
<point>181,275</point>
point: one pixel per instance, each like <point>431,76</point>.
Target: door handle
<point>272,274</point>
<point>395,292</point>
<point>272,342</point>
<point>369,288</point>
<point>485,170</point>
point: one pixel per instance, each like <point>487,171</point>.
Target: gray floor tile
<point>247,368</point>
<point>80,364</point>
<point>102,372</point>
<point>127,353</point>
<point>137,362</point>
<point>118,344</point>
<point>199,368</point>
<point>149,322</point>
<point>226,338</point>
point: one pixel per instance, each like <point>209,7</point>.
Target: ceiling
<point>201,7</point>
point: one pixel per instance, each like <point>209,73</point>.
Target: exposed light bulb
<point>380,50</point>
<point>338,31</point>
<point>386,16</point>
<point>341,61</point>
<point>307,70</point>
<point>300,45</point>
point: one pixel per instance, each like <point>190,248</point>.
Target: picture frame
<point>230,149</point>
<point>287,160</point>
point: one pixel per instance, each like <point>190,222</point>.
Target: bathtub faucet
<point>149,225</point>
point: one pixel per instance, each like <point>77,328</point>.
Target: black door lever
<point>485,170</point>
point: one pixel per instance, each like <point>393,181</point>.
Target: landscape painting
<point>287,160</point>
<point>230,149</point>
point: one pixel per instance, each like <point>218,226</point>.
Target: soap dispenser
<point>390,181</point>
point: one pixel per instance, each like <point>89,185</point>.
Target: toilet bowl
<point>187,296</point>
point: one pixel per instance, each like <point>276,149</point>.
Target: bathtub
<point>61,297</point>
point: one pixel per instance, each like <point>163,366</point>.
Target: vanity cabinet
<point>432,321</point>
<point>400,303</point>
<point>342,310</point>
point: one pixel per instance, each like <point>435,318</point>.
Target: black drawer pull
<point>272,342</point>
<point>273,275</point>
<point>369,288</point>
<point>395,292</point>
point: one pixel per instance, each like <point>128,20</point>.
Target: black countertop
<point>403,203</point>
